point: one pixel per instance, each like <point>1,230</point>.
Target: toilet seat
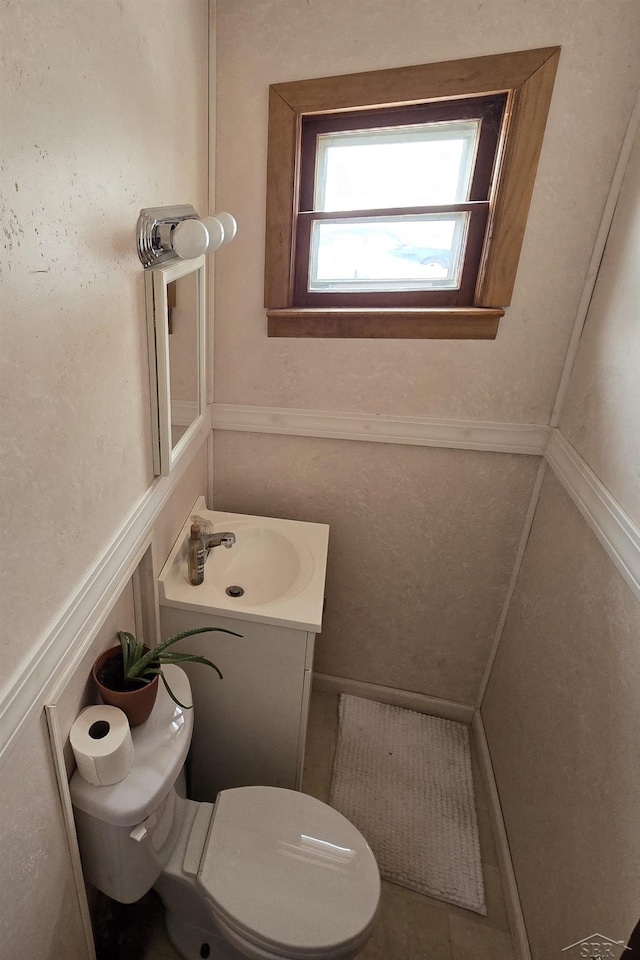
<point>288,875</point>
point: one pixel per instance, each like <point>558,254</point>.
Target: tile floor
<point>411,926</point>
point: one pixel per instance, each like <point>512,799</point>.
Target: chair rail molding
<point>615,529</point>
<point>496,436</point>
<point>70,631</point>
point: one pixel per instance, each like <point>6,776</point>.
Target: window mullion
<point>383,212</point>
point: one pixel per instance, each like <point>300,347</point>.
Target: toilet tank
<point>127,831</point>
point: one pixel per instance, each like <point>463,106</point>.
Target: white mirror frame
<point>157,280</point>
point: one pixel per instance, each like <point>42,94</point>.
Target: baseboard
<point>495,436</point>
<point>448,709</point>
<point>511,895</point>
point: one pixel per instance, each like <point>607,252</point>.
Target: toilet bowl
<point>265,873</point>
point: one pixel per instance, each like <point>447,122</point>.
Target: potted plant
<point>127,675</point>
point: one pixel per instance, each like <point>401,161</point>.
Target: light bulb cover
<point>216,231</point>
<point>190,239</point>
<point>164,233</point>
<point>229,225</point>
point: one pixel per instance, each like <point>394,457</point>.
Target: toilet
<point>264,873</point>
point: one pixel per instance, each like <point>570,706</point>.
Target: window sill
<point>436,323</point>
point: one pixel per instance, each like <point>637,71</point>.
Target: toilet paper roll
<point>101,741</point>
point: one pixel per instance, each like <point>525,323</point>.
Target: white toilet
<point>265,873</point>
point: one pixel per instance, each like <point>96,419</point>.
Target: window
<point>397,200</point>
<point>394,204</point>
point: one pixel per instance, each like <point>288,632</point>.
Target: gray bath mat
<point>404,779</point>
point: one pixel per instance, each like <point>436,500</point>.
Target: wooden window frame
<point>527,77</point>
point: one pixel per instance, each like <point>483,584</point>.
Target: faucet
<point>212,540</point>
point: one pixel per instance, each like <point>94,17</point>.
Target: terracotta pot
<point>137,704</point>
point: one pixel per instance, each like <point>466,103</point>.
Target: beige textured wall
<point>601,412</point>
<point>39,914</point>
<point>191,486</point>
<point>80,690</point>
<point>421,548</point>
<point>562,714</point>
<point>514,378</point>
<point>432,626</point>
<point>104,111</point>
<point>562,709</point>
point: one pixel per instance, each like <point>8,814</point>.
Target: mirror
<point>176,326</point>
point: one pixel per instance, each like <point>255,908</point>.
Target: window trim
<point>526,76</point>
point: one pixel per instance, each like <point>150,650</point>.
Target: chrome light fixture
<point>168,233</point>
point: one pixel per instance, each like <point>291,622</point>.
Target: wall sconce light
<point>167,233</point>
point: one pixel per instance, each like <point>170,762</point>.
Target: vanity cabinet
<point>250,727</point>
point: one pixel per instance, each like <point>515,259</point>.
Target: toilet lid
<point>288,872</point>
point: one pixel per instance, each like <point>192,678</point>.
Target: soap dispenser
<point>197,555</point>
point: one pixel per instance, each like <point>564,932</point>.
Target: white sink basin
<point>279,565</point>
<point>267,565</point>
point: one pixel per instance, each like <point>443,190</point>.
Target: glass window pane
<point>413,166</point>
<point>420,252</point>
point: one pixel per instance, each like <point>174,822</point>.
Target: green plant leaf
<point>153,656</point>
<point>172,695</point>
<point>127,643</point>
<point>182,657</point>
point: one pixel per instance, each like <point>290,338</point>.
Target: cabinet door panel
<point>247,726</point>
